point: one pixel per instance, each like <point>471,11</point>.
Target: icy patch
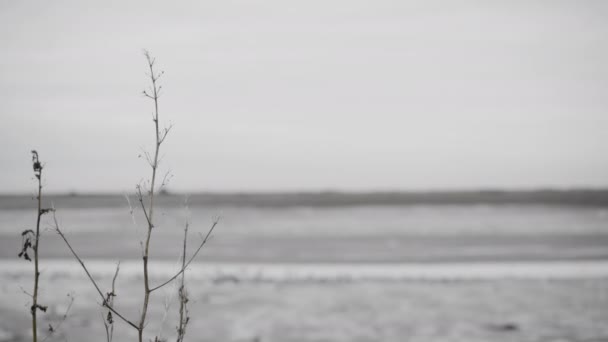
<point>281,272</point>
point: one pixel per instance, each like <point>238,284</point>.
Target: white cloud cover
<point>282,95</point>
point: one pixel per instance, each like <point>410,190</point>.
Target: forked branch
<point>104,300</point>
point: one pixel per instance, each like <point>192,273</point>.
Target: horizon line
<point>481,190</point>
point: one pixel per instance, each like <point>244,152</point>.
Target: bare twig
<point>103,298</point>
<point>164,133</point>
<point>200,246</point>
<point>146,155</point>
<point>105,325</point>
<point>140,198</point>
<point>149,213</point>
<point>31,240</point>
<point>183,295</point>
<point>53,329</point>
<point>108,321</point>
<point>179,291</point>
<point>24,291</point>
<point>166,179</point>
<point>131,212</point>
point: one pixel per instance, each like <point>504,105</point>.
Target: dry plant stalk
<point>147,207</point>
<point>154,94</point>
<point>108,320</point>
<point>31,241</point>
<point>183,294</point>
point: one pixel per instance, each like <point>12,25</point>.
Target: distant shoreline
<point>574,197</point>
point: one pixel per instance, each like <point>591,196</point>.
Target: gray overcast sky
<point>284,95</point>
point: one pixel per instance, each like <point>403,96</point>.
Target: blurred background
<point>384,171</point>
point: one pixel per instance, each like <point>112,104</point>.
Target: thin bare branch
<point>146,155</point>
<point>64,317</point>
<point>108,321</point>
<point>166,179</point>
<point>200,246</point>
<point>164,133</point>
<point>103,298</point>
<point>149,213</point>
<point>140,198</point>
<point>38,166</point>
<point>115,276</point>
<point>24,291</point>
<point>183,294</point>
<point>106,327</point>
<point>131,212</point>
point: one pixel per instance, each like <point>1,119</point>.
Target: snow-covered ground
<point>246,302</point>
<point>415,273</point>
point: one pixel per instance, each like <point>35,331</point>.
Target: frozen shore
<point>289,272</point>
<point>425,310</point>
